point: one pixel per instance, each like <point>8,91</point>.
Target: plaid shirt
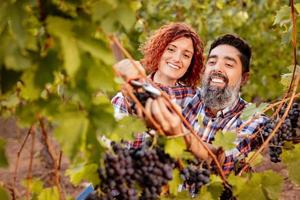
<point>226,120</point>
<point>179,94</point>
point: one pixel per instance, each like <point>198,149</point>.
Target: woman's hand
<point>129,69</point>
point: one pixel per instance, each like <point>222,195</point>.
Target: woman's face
<point>175,60</point>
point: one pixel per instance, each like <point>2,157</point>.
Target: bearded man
<point>217,105</point>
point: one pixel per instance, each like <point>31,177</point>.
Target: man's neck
<point>213,112</point>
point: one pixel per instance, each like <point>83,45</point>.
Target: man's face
<point>222,76</point>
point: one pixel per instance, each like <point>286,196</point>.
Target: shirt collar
<point>177,84</point>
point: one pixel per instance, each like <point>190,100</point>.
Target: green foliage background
<point>56,61</point>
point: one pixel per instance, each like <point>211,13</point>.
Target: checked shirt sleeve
<point>120,107</point>
<point>243,144</point>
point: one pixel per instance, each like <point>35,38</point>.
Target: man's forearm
<point>196,148</point>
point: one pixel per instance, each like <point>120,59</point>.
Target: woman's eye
<point>171,49</point>
<point>187,56</point>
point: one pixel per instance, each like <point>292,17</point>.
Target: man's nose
<point>219,67</point>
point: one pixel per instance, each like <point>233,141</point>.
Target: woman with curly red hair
<point>178,43</point>
<point>173,57</point>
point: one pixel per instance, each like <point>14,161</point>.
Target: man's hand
<point>172,125</point>
<point>129,69</point>
<point>169,120</point>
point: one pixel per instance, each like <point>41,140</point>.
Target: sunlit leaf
<point>101,77</point>
<point>93,150</point>
<point>256,161</point>
<point>127,127</point>
<point>72,127</point>
<point>253,186</point>
<point>272,183</point>
<point>4,194</point>
<point>174,183</point>
<point>101,8</point>
<point>212,190</point>
<point>252,110</point>
<point>62,29</point>
<point>265,185</point>
<point>34,185</point>
<point>15,59</point>
<point>98,50</point>
<point>49,194</point>
<point>3,159</point>
<point>126,16</point>
<point>237,183</point>
<point>102,117</point>
<point>282,16</point>
<point>175,147</point>
<point>225,140</point>
<point>81,173</point>
<point>297,7</point>
<point>18,16</point>
<point>108,24</point>
<point>10,102</point>
<point>291,159</point>
<point>286,79</point>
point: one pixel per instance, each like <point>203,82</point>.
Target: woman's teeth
<point>173,66</point>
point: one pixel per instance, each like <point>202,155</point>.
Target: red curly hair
<point>154,47</point>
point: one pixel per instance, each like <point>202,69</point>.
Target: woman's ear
<point>245,78</point>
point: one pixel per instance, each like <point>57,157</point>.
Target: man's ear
<point>245,78</point>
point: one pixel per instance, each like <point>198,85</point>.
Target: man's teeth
<point>217,80</point>
<point>173,66</point>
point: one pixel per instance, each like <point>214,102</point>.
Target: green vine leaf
<point>35,185</point>
<point>291,158</point>
<point>174,183</point>
<point>101,8</point>
<point>126,16</point>
<point>256,161</point>
<point>225,140</point>
<point>62,29</point>
<point>287,78</point>
<point>4,194</point>
<point>3,159</point>
<point>70,132</point>
<point>297,7</point>
<point>252,110</point>
<point>83,172</point>
<point>265,185</point>
<point>213,190</point>
<point>272,184</point>
<point>175,147</point>
<point>49,194</point>
<point>282,16</point>
<point>127,127</point>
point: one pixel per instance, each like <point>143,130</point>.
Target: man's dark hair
<point>237,42</point>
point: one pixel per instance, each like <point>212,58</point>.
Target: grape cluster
<point>286,131</point>
<point>153,170</point>
<point>195,177</point>
<point>124,169</point>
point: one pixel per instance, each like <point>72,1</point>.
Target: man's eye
<point>211,62</point>
<point>229,65</point>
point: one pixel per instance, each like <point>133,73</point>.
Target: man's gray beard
<point>219,98</point>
